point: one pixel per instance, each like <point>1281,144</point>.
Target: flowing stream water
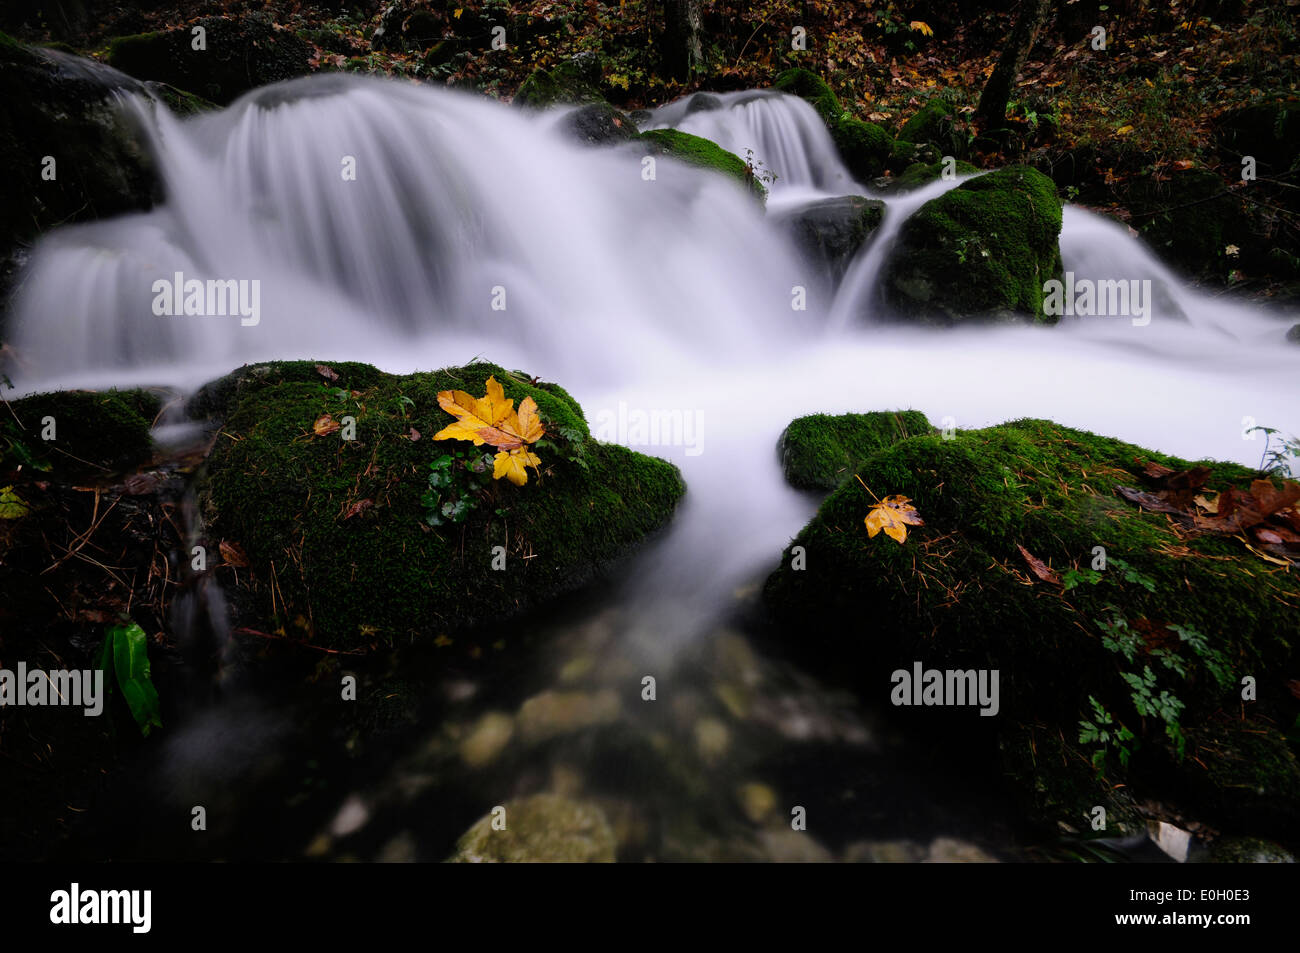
<point>665,294</point>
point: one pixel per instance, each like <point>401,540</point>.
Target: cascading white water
<point>665,294</point>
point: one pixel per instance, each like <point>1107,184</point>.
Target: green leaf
<point>130,648</point>
<point>11,505</point>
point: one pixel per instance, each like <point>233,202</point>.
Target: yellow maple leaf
<point>492,419</point>
<point>921,27</point>
<point>893,514</point>
<point>512,465</point>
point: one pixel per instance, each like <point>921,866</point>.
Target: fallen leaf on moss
<point>325,424</point>
<point>893,514</point>
<point>1040,568</point>
<point>232,554</point>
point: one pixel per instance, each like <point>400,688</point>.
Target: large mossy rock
<point>65,107</point>
<point>1190,218</point>
<point>821,451</point>
<point>90,433</point>
<point>980,251</point>
<point>572,82</point>
<point>864,147</point>
<point>705,153</point>
<point>239,55</point>
<point>830,232</point>
<point>335,530</point>
<point>961,593</point>
<point>935,123</point>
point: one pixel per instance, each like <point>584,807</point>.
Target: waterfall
<point>666,294</point>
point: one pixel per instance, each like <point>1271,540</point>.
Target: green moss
<point>983,249</point>
<point>703,153</point>
<point>919,174</point>
<point>932,123</point>
<point>93,432</point>
<point>820,451</point>
<point>563,84</point>
<point>864,147</point>
<point>959,594</point>
<point>811,87</point>
<point>382,574</point>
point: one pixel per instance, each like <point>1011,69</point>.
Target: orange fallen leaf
<point>893,514</point>
<point>325,424</point>
<point>232,554</point>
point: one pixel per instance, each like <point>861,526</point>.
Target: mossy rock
<point>698,151</point>
<point>864,147</point>
<point>935,123</point>
<point>821,451</point>
<point>830,232</point>
<point>566,83</point>
<point>1247,850</point>
<point>1189,219</point>
<point>240,54</point>
<point>919,174</point>
<point>812,88</point>
<point>94,432</point>
<point>65,107</point>
<point>544,828</point>
<point>354,574</point>
<point>980,251</point>
<point>959,594</point>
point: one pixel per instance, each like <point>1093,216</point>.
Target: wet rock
<point>598,124</point>
<point>757,801</point>
<point>830,232</point>
<point>950,850</point>
<point>552,713</point>
<point>1247,850</point>
<point>544,828</point>
<point>487,739</point>
<point>786,846</point>
<point>884,852</point>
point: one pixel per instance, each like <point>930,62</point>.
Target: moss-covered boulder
<point>920,173</point>
<point>821,451</point>
<point>935,123</point>
<point>570,82</point>
<point>77,434</point>
<point>980,251</point>
<point>356,542</point>
<point>238,55</point>
<point>1189,218</point>
<point>66,153</point>
<point>812,88</point>
<point>698,151</point>
<point>1121,637</point>
<point>864,146</point>
<point>544,828</point>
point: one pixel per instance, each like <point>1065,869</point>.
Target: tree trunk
<point>992,111</point>
<point>683,50</point>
